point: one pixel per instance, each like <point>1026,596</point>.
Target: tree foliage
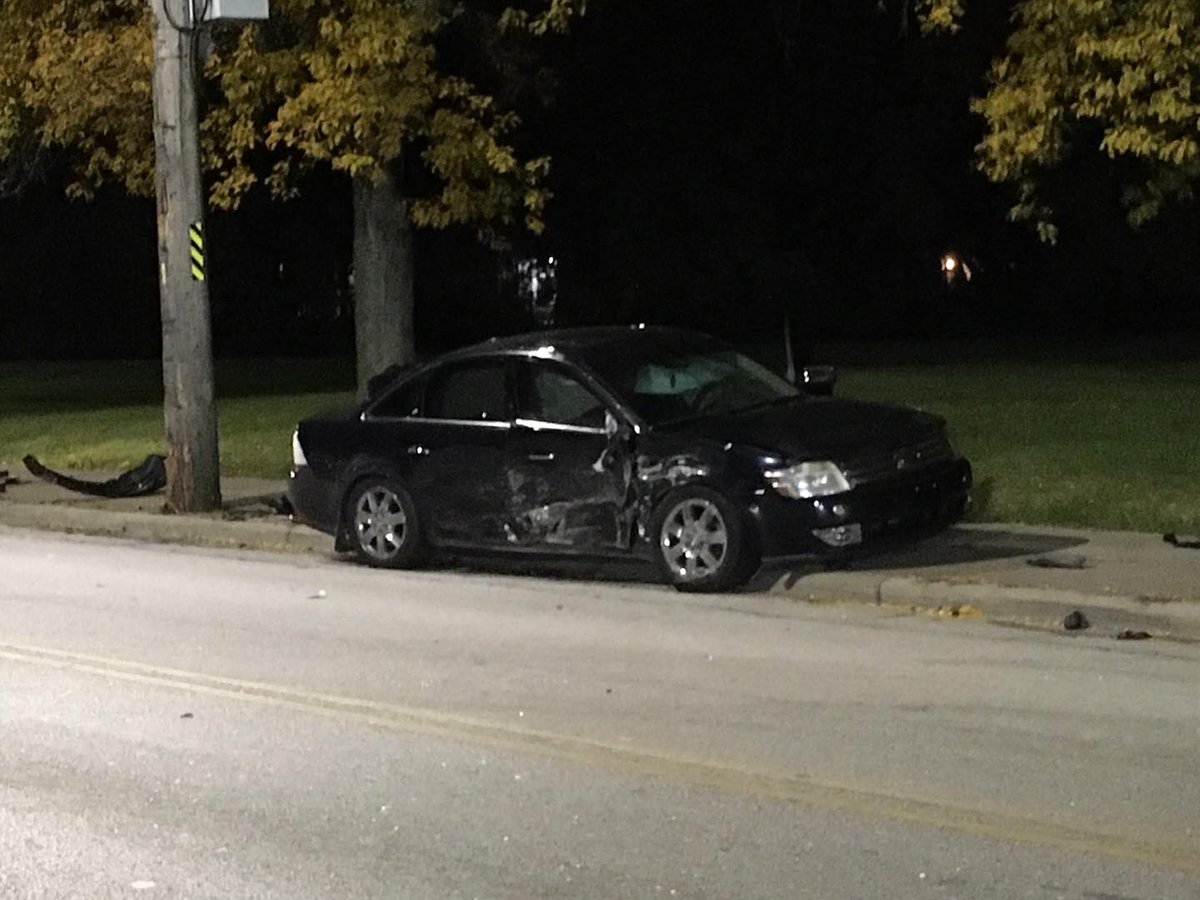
<point>357,84</point>
<point>940,15</point>
<point>1118,77</point>
<point>77,73</point>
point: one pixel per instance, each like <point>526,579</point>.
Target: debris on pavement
<point>1176,541</point>
<point>6,480</point>
<point>1148,599</point>
<point>281,505</point>
<point>1076,621</point>
<point>1130,635</point>
<point>261,506</point>
<point>1061,561</point>
<point>958,611</point>
<point>148,478</point>
<point>187,715</point>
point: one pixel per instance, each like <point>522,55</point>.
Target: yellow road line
<point>630,759</point>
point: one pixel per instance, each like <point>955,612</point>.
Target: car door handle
<point>541,457</point>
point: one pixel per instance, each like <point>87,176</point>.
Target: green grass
<point>1106,445</point>
<point>1109,444</point>
<point>108,415</point>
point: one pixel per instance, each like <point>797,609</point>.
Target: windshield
<point>667,382</point>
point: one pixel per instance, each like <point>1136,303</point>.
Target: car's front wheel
<point>383,524</point>
<point>701,541</point>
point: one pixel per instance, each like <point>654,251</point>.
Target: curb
<point>1108,615</point>
<point>275,536</point>
<point>1041,607</point>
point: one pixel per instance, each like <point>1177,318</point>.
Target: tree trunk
<point>189,408</point>
<point>384,292</point>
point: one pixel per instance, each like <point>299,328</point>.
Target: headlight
<point>808,479</point>
<point>298,458</point>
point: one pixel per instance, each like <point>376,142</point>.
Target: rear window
<point>469,392</point>
<point>405,401</point>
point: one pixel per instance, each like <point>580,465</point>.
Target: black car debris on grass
<point>630,442</point>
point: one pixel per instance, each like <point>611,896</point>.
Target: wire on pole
<point>172,21</point>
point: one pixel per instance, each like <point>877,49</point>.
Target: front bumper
<point>865,516</point>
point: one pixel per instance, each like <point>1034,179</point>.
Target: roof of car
<point>531,342</point>
<point>575,337</point>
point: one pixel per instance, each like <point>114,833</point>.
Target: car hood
<point>817,428</point>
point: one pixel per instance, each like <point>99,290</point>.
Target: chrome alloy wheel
<point>379,523</point>
<point>694,540</point>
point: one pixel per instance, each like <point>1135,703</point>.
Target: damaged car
<point>653,443</point>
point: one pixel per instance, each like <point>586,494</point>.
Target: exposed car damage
<point>601,522</point>
<point>657,443</point>
<point>656,475</point>
<point>568,516</point>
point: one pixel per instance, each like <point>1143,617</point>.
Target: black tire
<point>382,524</point>
<point>701,542</point>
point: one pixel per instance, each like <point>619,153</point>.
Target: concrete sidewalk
<point>1121,582</point>
<point>247,520</point>
<point>1027,576</point>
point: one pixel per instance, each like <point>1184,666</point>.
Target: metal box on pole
<point>234,10</point>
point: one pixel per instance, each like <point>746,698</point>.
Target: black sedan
<point>628,442</point>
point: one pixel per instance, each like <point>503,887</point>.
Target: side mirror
<point>818,380</point>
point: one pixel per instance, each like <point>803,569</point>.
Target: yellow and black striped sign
<point>196,236</point>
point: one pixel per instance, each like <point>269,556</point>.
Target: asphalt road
<point>181,723</point>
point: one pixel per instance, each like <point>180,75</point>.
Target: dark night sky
<point>716,164</point>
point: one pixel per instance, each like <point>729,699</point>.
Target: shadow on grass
<point>72,387</point>
<point>982,494</point>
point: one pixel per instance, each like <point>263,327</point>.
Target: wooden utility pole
<point>189,408</point>
<point>383,278</point>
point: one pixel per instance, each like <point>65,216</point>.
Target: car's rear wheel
<point>383,524</point>
<point>701,541</point>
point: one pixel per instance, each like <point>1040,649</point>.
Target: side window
<point>469,392</point>
<point>548,394</point>
<point>403,402</point>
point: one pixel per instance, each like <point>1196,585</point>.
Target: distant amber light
<point>954,268</point>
